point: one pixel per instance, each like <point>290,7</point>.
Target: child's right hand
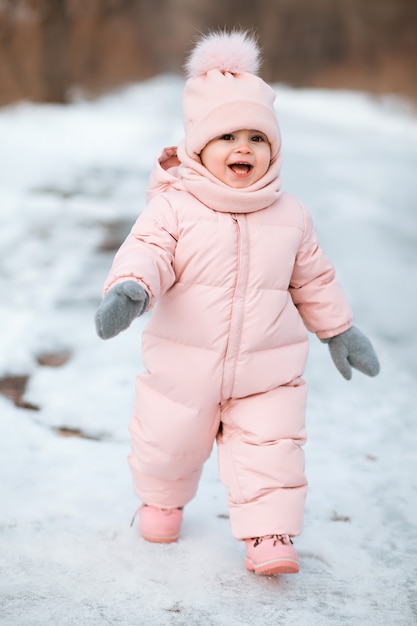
<point>119,307</point>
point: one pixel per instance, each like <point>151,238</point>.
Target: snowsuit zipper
<point>238,306</point>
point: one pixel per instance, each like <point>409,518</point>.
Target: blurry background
<point>49,49</point>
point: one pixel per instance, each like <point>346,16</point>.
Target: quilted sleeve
<point>315,290</point>
<point>148,251</point>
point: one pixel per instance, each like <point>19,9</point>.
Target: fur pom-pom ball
<point>235,52</point>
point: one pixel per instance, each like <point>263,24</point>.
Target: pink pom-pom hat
<point>223,92</point>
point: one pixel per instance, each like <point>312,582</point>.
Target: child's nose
<point>243,146</point>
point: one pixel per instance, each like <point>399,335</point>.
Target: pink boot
<point>160,525</point>
<point>273,554</point>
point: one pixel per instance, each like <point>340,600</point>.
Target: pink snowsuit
<point>234,290</point>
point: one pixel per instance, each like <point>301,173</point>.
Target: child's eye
<point>257,138</point>
<point>227,137</point>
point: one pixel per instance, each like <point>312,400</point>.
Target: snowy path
<point>71,181</point>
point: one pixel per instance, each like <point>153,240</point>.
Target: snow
<point>71,177</point>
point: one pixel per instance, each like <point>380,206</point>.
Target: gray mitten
<point>353,349</point>
<point>119,308</point>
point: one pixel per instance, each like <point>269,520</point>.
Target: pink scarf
<point>218,196</point>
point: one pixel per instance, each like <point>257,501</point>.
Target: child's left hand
<point>353,349</point>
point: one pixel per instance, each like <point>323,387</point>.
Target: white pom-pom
<point>234,52</point>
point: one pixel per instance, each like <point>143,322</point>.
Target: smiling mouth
<point>240,169</point>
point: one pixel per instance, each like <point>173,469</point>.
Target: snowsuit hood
<point>164,174</point>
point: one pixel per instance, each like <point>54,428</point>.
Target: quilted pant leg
<point>261,461</point>
<point>170,442</point>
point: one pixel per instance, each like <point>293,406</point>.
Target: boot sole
<point>275,566</point>
<point>160,539</point>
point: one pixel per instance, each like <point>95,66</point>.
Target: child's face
<point>239,158</point>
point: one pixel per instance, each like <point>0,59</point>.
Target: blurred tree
<point>55,27</point>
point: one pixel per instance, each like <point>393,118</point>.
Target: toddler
<point>231,266</point>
